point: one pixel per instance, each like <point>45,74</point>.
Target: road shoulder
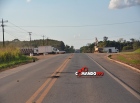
<point>23,67</point>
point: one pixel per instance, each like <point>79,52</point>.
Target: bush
<point>136,45</point>
<point>9,53</point>
<point>127,47</point>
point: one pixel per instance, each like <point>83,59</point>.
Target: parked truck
<point>110,50</point>
<point>45,50</point>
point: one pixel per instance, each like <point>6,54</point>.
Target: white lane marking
<point>120,82</point>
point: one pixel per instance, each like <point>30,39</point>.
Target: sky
<point>75,22</point>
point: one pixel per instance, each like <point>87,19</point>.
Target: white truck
<point>110,50</point>
<point>45,50</point>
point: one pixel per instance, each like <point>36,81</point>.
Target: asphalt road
<point>53,80</point>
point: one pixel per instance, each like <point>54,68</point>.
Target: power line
<point>14,31</point>
<point>13,35</point>
<point>120,23</point>
<point>21,28</point>
<point>25,31</point>
<point>18,27</point>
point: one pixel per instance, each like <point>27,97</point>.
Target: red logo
<point>99,73</point>
<point>84,72</point>
<point>84,69</point>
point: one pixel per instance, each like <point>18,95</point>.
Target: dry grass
<point>10,56</point>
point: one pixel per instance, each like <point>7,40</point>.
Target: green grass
<point>11,56</point>
<point>12,63</point>
<point>129,61</point>
<point>23,59</point>
<point>137,51</point>
<point>120,57</point>
<point>135,61</point>
<point>130,58</point>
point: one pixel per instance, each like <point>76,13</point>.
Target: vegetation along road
<point>130,58</point>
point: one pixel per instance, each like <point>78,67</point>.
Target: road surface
<point>53,80</point>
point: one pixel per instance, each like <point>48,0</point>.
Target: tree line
<point>60,45</point>
<point>121,45</point>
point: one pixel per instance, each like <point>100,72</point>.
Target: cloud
<point>28,1</point>
<point>119,4</point>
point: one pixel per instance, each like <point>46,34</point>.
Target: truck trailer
<point>45,50</point>
<point>110,50</point>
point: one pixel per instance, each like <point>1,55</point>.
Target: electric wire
<point>120,23</point>
<point>22,28</point>
<point>13,35</point>
<point>25,31</point>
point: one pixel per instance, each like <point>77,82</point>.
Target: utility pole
<point>43,40</point>
<point>3,30</point>
<point>30,37</point>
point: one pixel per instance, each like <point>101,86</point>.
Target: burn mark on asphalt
<point>65,72</point>
<point>55,76</point>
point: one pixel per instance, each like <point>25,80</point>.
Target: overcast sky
<point>76,22</point>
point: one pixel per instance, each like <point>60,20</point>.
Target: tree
<point>87,49</point>
<point>136,45</point>
<point>91,47</point>
<point>105,38</point>
<point>72,49</point>
<point>84,49</point>
<point>127,48</point>
<point>120,40</point>
<point>101,44</point>
<point>132,40</point>
<point>16,40</point>
<point>124,41</point>
<point>67,48</point>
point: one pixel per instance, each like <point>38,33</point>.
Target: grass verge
<point>15,63</point>
<point>11,57</point>
<point>130,58</point>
